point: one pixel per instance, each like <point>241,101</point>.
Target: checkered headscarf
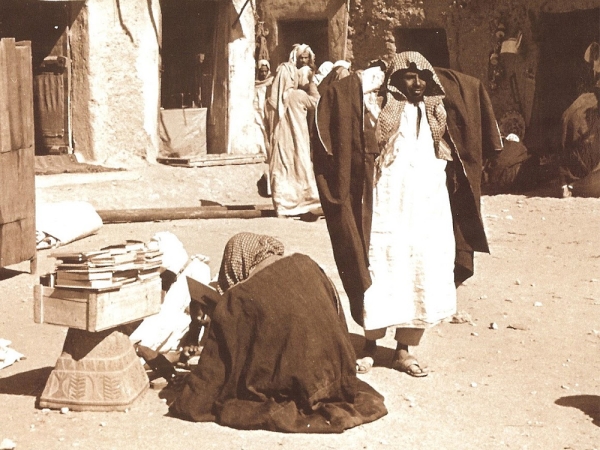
<point>389,119</point>
<point>244,252</point>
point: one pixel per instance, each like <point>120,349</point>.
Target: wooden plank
<point>14,98</point>
<point>17,185</point>
<point>5,143</point>
<point>25,74</point>
<point>17,241</point>
<point>17,176</point>
<point>213,160</point>
<point>96,311</point>
<point>131,302</point>
<point>58,309</point>
<point>201,212</point>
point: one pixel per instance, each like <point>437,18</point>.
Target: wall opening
<point>562,73</point>
<point>430,42</point>
<point>311,32</point>
<point>187,52</point>
<point>188,75</point>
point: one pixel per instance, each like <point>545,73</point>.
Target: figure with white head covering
<point>416,219</point>
<point>339,69</point>
<point>174,324</point>
<point>293,185</point>
<point>302,55</point>
<point>262,89</point>
<point>323,71</point>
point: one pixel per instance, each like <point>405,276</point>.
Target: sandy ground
<point>531,383</point>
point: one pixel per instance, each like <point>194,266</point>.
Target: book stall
<point>94,293</point>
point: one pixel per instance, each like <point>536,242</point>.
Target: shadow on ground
<point>383,357</point>
<point>6,274</point>
<point>588,404</point>
<point>29,383</point>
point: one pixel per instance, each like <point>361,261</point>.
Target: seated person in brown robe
<point>278,355</point>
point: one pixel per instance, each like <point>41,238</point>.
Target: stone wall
<point>475,31</point>
<point>116,81</point>
<point>334,11</point>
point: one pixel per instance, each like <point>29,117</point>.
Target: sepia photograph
<point>299,224</point>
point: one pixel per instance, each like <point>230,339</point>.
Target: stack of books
<point>108,268</point>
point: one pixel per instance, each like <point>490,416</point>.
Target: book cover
<point>77,257</point>
<point>203,294</point>
<point>111,258</point>
<point>83,275</point>
<point>88,284</point>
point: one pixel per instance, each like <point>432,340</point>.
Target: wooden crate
<point>96,311</point>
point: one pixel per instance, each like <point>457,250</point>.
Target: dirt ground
<point>533,382</point>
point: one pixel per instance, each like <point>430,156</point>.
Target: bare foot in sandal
<point>405,362</point>
<point>365,361</point>
<point>410,366</point>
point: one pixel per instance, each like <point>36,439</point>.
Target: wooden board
<point>17,178</point>
<point>213,160</point>
<point>96,311</point>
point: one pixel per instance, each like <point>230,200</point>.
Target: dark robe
<point>279,358</point>
<point>344,157</point>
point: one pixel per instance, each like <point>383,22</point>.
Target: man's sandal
<point>411,366</point>
<point>364,365</point>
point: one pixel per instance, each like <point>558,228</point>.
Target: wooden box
<point>96,311</point>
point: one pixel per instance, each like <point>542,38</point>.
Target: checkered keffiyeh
<point>389,119</point>
<point>244,252</point>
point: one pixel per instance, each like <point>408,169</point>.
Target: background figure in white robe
<point>412,247</point>
<point>293,184</point>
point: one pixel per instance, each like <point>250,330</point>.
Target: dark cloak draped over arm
<point>473,133</point>
<point>344,157</point>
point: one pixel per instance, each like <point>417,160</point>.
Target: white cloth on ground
<point>8,356</point>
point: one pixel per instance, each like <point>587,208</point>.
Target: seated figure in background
<point>170,331</point>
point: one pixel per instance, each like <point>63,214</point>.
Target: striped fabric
<point>244,252</point>
<point>389,119</point>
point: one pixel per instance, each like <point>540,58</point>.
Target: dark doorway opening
<point>430,42</point>
<point>311,32</point>
<point>188,74</point>
<point>187,54</point>
<point>562,73</point>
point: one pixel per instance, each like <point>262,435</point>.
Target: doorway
<point>430,42</point>
<point>187,75</point>
<point>562,73</point>
<point>311,32</point>
<point>46,25</point>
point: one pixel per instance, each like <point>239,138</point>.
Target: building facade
<point>109,73</point>
<point>529,53</point>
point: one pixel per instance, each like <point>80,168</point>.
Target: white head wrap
<point>298,50</point>
<point>174,256</point>
<point>342,63</point>
<point>263,62</point>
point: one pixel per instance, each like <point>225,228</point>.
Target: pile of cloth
<point>8,356</point>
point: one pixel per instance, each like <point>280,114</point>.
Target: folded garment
<point>65,222</point>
